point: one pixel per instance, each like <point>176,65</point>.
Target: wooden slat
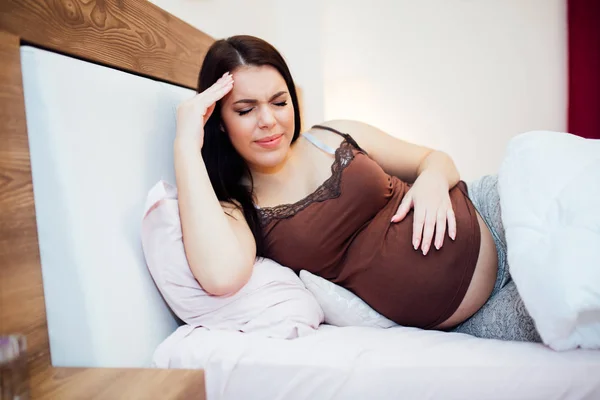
<point>22,308</point>
<point>131,35</point>
<point>126,384</point>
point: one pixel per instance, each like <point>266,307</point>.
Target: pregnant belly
<point>482,283</point>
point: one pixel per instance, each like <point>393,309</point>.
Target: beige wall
<point>460,75</point>
<point>292,27</point>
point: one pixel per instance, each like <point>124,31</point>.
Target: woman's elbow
<point>224,288</point>
<point>226,281</point>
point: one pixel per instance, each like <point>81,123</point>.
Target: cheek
<point>286,116</point>
<point>239,128</point>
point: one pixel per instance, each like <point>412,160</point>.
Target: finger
<point>403,209</point>
<point>217,92</point>
<point>428,230</point>
<point>220,93</point>
<point>226,77</point>
<point>440,228</point>
<point>209,98</point>
<point>418,221</point>
<point>451,223</point>
<point>224,80</point>
<point>212,93</point>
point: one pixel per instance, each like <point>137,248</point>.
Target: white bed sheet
<point>371,363</point>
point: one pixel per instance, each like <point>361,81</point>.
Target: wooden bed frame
<point>129,35</point>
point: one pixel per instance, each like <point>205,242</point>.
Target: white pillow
<point>342,307</point>
<point>549,184</point>
<point>274,303</point>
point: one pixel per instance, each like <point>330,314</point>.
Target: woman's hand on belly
<point>430,198</point>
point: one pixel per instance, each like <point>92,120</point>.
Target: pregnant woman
<point>387,219</point>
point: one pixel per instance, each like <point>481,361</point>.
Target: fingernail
<point>425,251</point>
<point>415,245</point>
<point>437,246</point>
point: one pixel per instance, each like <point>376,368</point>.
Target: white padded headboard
<point>99,140</point>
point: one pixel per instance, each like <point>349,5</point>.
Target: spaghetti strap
<point>346,136</point>
<point>319,144</point>
<point>330,129</point>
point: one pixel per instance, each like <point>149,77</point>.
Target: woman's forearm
<point>210,243</point>
<point>438,162</point>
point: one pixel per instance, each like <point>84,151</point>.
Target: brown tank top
<point>342,232</point>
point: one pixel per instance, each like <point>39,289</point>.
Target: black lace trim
<point>330,189</point>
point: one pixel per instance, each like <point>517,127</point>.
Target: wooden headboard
<point>133,36</point>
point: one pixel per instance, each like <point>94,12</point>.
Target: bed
<point>372,363</point>
<point>87,118</point>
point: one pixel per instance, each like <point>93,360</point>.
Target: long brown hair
<point>225,166</point>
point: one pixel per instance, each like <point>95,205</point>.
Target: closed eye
<point>244,112</point>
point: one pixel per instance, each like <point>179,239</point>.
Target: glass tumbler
<point>14,380</point>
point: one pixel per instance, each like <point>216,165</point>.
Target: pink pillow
<point>274,302</point>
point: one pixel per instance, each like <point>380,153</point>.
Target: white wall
<point>463,76</point>
<point>460,75</point>
<point>294,28</point>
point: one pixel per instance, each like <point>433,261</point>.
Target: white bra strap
<point>319,144</point>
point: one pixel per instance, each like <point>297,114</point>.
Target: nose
<point>266,119</point>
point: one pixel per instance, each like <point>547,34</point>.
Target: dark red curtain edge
<point>583,26</point>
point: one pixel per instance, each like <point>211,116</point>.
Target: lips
<point>269,139</point>
<point>270,142</point>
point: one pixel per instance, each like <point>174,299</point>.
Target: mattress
<point>373,363</point>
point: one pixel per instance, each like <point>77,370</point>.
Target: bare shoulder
<point>349,125</point>
<point>360,131</point>
<point>368,136</point>
<point>396,156</point>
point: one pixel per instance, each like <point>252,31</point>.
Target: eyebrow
<point>276,95</point>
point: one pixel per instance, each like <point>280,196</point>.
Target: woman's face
<point>258,115</point>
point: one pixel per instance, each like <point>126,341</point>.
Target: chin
<point>267,160</point>
<point>271,159</point>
